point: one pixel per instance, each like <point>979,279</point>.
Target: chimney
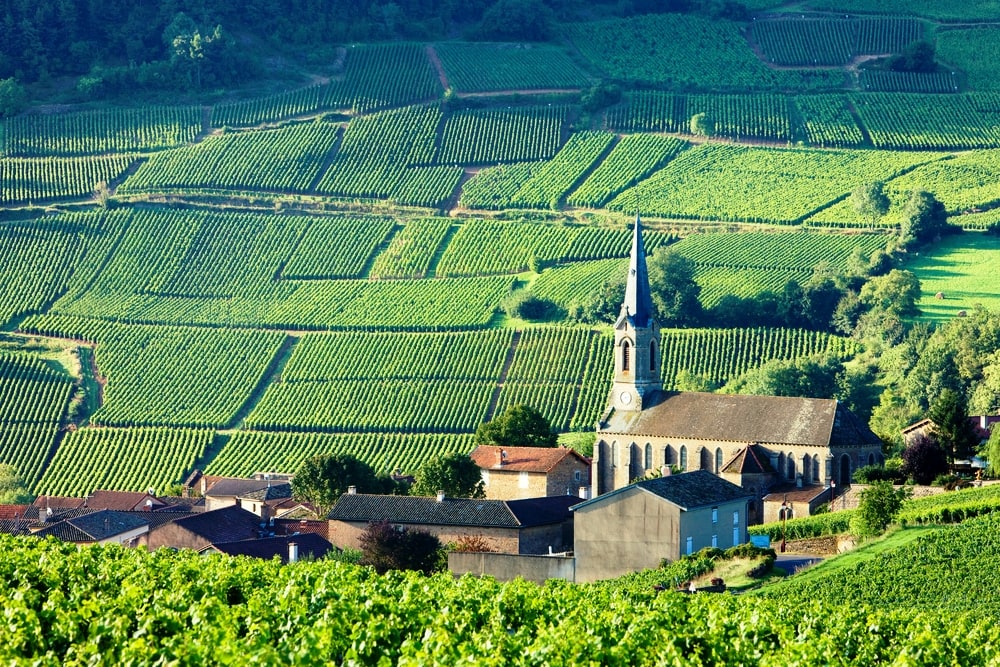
<point>440,496</point>
<point>149,504</point>
<point>293,552</point>
<point>585,492</point>
<point>984,423</point>
<point>352,490</point>
<point>502,456</point>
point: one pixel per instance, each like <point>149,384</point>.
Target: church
<point>761,443</point>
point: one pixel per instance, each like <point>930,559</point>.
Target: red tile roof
<point>121,500</point>
<point>9,512</point>
<point>524,459</point>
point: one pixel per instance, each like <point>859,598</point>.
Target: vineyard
<point>832,42</point>
<point>412,249</point>
<point>30,180</point>
<point>472,68</point>
<point>632,159</point>
<point>502,135</point>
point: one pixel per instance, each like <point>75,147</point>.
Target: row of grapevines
<point>36,261</point>
<point>634,158</point>
<point>430,187</point>
<point>716,283</point>
<point>831,523</point>
<point>28,180</point>
<point>383,75</point>
<point>776,251</point>
<point>337,247</point>
<point>248,452</point>
<point>115,459</point>
<point>550,354</point>
<point>908,82</point>
<point>686,51</point>
<point>377,150</point>
<point>595,385</point>
<point>25,446</point>
<point>973,50</point>
<point>411,249</point>
<point>116,130</point>
<point>514,134</point>
<point>566,285</point>
<point>550,183</point>
<point>283,159</point>
<point>322,612</point>
<point>951,506</point>
<point>473,67</point>
<point>832,41</point>
<point>827,121</point>
<point>554,400</point>
<point>977,221</point>
<point>476,355</point>
<point>365,405</point>
<point>726,182</point>
<point>289,104</point>
<point>490,188</point>
<point>915,121</point>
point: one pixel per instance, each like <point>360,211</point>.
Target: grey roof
<point>638,304</point>
<point>95,526</point>
<point>15,526</point>
<point>236,487</point>
<point>228,524</point>
<point>453,511</point>
<point>766,420</point>
<point>688,490</point>
<point>272,492</point>
<point>310,545</point>
<point>750,460</point>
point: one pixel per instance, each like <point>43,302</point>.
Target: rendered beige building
<point>637,526</point>
<point>806,441</point>
<point>511,473</point>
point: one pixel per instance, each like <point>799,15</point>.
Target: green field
<point>963,270</point>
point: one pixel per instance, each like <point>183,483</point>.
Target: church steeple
<point>638,304</point>
<point>637,335</point>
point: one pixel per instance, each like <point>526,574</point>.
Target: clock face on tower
<point>625,397</point>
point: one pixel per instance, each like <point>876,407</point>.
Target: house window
<point>522,480</point>
<point>576,475</point>
<point>625,361</point>
<point>715,515</point>
<point>715,540</point>
<point>652,355</point>
<point>684,458</point>
<point>690,545</point>
<point>737,538</point>
<point>649,456</point>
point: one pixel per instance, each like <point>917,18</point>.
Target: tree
<point>605,304</point>
<point>702,125</point>
<point>917,56</point>
<point>895,293</point>
<point>952,427</point>
<point>517,20</point>
<point>870,202</point>
<point>456,474</point>
<point>12,97</point>
<point>386,547</point>
<point>924,459</point>
<point>518,426</point>
<point>923,219</point>
<point>323,478</point>
<point>13,490</point>
<point>674,291</point>
<point>879,505</point>
<point>992,450</point>
<point>813,377</point>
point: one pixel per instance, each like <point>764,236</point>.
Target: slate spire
<point>638,305</point>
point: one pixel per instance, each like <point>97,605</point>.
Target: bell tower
<point>637,335</point>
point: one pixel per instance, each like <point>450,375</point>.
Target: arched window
<point>668,455</point>
<point>652,355</point>
<point>718,460</point>
<point>781,463</point>
<point>625,354</point>
<point>806,465</point>
<point>815,468</point>
<point>871,459</point>
<point>791,466</point>
<point>684,458</point>
<point>615,454</point>
<point>649,457</point>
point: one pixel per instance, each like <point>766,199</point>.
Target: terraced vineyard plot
<point>567,285</point>
<point>974,51</point>
<point>797,251</point>
<point>973,10</point>
<point>832,42</point>
<point>828,122</point>
<point>383,75</point>
<point>104,131</point>
<point>717,283</point>
<point>908,82</point>
<point>913,121</point>
<point>477,355</point>
<point>550,182</point>
<point>287,158</point>
<point>492,187</point>
<point>553,400</point>
<point>271,108</point>
<point>30,180</point>
<point>515,134</point>
<point>36,260</point>
<point>550,354</point>
<point>378,149</point>
<point>177,376</point>
<point>337,247</point>
<point>411,249</point>
<point>33,400</point>
<point>595,386</point>
<point>363,405</point>
<point>662,49</point>
<point>252,451</point>
<point>976,221</point>
<point>634,158</point>
<point>133,459</point>
<point>493,67</point>
<point>429,187</point>
<point>760,116</point>
<point>725,182</point>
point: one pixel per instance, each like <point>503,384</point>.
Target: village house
<point>98,527</point>
<point>254,495</point>
<point>289,548</point>
<point>527,526</point>
<point>511,473</point>
<point>196,531</point>
<point>637,526</point>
